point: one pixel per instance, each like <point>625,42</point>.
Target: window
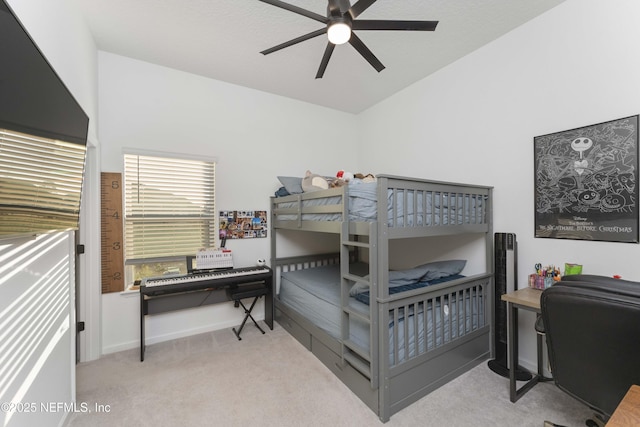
<point>40,184</point>
<point>169,213</point>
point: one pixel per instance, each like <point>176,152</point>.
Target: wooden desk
<point>627,414</point>
<point>526,299</point>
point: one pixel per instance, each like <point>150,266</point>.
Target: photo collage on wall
<point>242,224</point>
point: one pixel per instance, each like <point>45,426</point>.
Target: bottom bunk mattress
<point>315,294</point>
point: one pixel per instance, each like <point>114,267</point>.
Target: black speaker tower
<point>506,280</point>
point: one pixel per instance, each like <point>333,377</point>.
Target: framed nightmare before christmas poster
<point>585,182</point>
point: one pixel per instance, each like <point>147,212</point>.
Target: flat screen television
<point>43,137</point>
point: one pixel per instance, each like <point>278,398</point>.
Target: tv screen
<point>43,136</point>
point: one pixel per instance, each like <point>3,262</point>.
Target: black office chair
<point>592,329</point>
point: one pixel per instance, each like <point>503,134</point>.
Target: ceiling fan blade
<point>295,41</point>
<point>366,24</point>
<point>325,60</point>
<point>365,52</point>
<point>360,7</point>
<point>296,9</point>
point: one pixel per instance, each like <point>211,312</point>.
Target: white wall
<point>46,373</point>
<point>255,137</point>
<point>475,121</point>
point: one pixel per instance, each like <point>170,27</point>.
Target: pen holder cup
<point>537,281</point>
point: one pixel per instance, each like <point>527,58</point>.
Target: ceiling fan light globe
<point>339,33</point>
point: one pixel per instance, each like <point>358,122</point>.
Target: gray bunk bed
<point>391,345</point>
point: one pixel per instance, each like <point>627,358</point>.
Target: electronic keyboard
<point>202,280</point>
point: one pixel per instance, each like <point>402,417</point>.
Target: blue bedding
<point>363,297</point>
<point>422,208</point>
<point>315,293</point>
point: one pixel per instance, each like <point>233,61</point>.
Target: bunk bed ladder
<point>359,358</point>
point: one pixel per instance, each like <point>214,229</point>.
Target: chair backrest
<point>592,327</point>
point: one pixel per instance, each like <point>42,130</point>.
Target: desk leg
<point>269,308</point>
<point>512,349</point>
<point>514,392</point>
<point>141,327</point>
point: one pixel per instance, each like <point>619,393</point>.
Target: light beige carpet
<point>213,379</point>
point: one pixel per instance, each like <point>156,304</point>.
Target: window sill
<point>130,292</point>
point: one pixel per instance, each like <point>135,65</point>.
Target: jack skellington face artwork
<point>581,145</point>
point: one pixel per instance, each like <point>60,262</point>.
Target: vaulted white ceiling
<point>222,39</point>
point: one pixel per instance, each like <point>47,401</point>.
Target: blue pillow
<point>421,273</point>
<point>425,272</point>
<point>291,183</point>
<point>281,192</point>
<point>440,269</point>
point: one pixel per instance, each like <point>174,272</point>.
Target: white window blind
<point>40,184</point>
<point>169,206</point>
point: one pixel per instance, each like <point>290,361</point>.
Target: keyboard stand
<point>156,300</point>
<point>238,294</point>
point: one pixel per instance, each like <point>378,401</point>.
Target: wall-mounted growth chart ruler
<point>111,225</point>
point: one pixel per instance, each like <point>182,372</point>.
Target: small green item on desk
<point>570,269</point>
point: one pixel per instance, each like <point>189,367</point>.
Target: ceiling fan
<point>340,23</point>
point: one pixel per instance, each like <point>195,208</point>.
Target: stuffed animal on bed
<point>342,178</point>
<point>345,176</point>
<point>366,178</point>
<point>350,177</point>
<point>314,182</point>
